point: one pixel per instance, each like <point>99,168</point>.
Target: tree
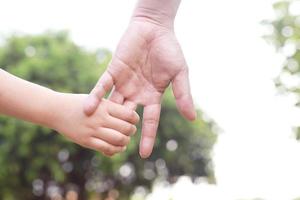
<point>37,163</point>
<point>285,37</point>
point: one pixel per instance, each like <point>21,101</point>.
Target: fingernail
<point>146,147</point>
<point>134,131</point>
<point>137,117</point>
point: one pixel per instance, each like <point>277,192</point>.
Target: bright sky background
<point>231,74</point>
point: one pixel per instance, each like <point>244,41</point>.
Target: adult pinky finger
<point>104,147</point>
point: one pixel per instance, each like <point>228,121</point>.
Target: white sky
<point>231,74</point>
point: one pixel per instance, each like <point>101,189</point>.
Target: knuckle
<point>100,123</point>
<point>126,140</point>
<point>134,117</point>
<point>111,151</point>
<point>103,108</point>
<point>105,113</point>
<point>121,140</point>
<point>129,115</point>
<point>105,149</point>
<point>85,142</point>
<point>151,121</point>
<point>127,129</point>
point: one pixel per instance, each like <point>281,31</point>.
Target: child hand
<point>108,130</point>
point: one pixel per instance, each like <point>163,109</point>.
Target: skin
<point>108,130</point>
<point>147,60</point>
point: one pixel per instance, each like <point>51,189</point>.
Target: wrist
<point>53,113</point>
<point>63,108</point>
<point>158,12</point>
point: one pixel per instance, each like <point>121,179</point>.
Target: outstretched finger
<point>182,93</point>
<point>150,124</point>
<point>104,84</point>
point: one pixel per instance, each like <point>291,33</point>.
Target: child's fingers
<point>116,97</point>
<point>130,105</point>
<point>122,126</point>
<point>112,136</point>
<point>123,113</point>
<point>104,147</point>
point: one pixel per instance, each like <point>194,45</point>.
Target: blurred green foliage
<point>285,36</point>
<point>37,163</point>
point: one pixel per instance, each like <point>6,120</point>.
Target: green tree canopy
<point>36,162</point>
<point>285,37</point>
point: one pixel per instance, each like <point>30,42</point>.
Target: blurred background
<point>244,61</point>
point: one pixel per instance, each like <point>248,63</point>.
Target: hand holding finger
<point>104,84</point>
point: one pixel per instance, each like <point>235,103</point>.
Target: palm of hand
<point>147,60</point>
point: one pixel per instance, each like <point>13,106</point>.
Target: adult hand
<point>147,60</point>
